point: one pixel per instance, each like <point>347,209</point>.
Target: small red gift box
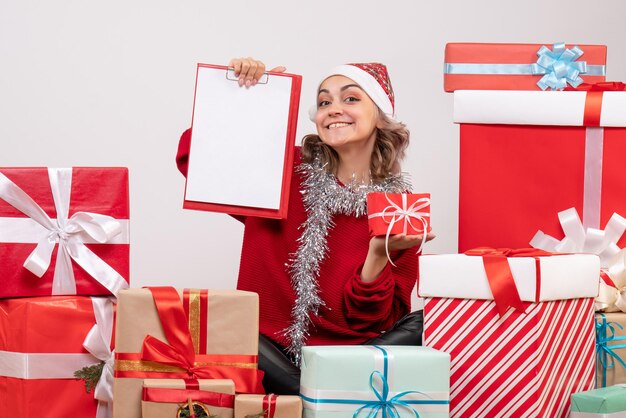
<point>490,66</point>
<point>42,345</point>
<point>63,231</point>
<point>398,213</point>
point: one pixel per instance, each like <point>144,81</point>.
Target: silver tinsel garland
<point>323,197</point>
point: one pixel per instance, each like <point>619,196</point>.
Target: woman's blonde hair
<point>392,139</point>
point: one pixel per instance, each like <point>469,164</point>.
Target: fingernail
<point>248,83</point>
<point>241,81</point>
<point>254,82</point>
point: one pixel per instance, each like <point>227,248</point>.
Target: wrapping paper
<point>525,364</point>
<point>268,406</point>
<point>609,402</point>
<point>515,179</point>
<point>398,213</point>
<point>502,76</point>
<point>224,336</point>
<point>41,346</point>
<point>163,397</point>
<point>611,349</point>
<point>103,191</point>
<point>346,381</point>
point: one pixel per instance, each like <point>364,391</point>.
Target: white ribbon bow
<point>97,343</point>
<point>68,233</point>
<point>593,241</point>
<point>393,214</point>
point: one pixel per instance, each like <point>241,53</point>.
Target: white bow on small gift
<point>405,213</point>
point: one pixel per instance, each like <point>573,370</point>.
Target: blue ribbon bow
<point>605,352</point>
<point>559,67</point>
<point>387,406</point>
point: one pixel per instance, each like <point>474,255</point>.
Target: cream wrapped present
<point>398,381</point>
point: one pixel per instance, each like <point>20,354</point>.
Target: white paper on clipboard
<point>238,140</point>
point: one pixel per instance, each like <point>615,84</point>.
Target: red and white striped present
<point>519,364</point>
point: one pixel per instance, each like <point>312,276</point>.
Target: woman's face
<point>346,116</point>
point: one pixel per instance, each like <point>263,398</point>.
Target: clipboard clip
<point>230,75</point>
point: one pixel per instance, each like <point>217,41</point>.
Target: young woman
<point>320,277</point>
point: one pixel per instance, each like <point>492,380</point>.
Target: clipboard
<point>242,143</point>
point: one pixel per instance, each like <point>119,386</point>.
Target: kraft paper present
<point>224,330</point>
<point>268,406</point>
<point>162,398</point>
<point>611,347</point>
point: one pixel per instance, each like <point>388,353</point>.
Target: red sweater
<point>355,311</point>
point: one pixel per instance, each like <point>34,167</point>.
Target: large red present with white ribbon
<point>525,361</point>
<point>525,156</point>
<point>490,66</point>
<point>43,342</point>
<point>63,231</point>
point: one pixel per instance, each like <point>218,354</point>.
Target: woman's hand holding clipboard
<point>243,139</point>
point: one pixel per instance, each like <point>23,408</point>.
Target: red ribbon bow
<point>180,352</point>
<point>505,294</point>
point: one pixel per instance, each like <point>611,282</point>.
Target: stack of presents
<point>526,321</point>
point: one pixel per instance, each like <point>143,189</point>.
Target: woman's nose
<point>334,109</point>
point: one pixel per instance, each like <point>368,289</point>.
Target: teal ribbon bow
<point>387,406</point>
<point>605,333</point>
<point>559,67</point>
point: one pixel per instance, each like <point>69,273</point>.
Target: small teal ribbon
<point>605,352</point>
<point>559,67</point>
<point>387,406</point>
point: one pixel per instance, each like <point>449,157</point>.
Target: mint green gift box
<point>608,402</point>
<point>341,381</point>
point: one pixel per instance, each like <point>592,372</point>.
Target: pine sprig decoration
<point>91,375</point>
<point>259,415</point>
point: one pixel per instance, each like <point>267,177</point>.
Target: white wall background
<point>111,83</point>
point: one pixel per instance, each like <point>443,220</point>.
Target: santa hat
<point>373,78</point>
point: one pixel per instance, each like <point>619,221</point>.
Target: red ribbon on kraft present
<point>500,277</point>
<point>178,359</point>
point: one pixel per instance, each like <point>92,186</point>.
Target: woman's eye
<point>352,99</point>
<point>323,103</point>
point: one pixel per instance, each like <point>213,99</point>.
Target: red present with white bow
<point>63,231</point>
<point>527,155</point>
<point>398,213</point>
<point>526,361</point>
<point>43,342</point>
